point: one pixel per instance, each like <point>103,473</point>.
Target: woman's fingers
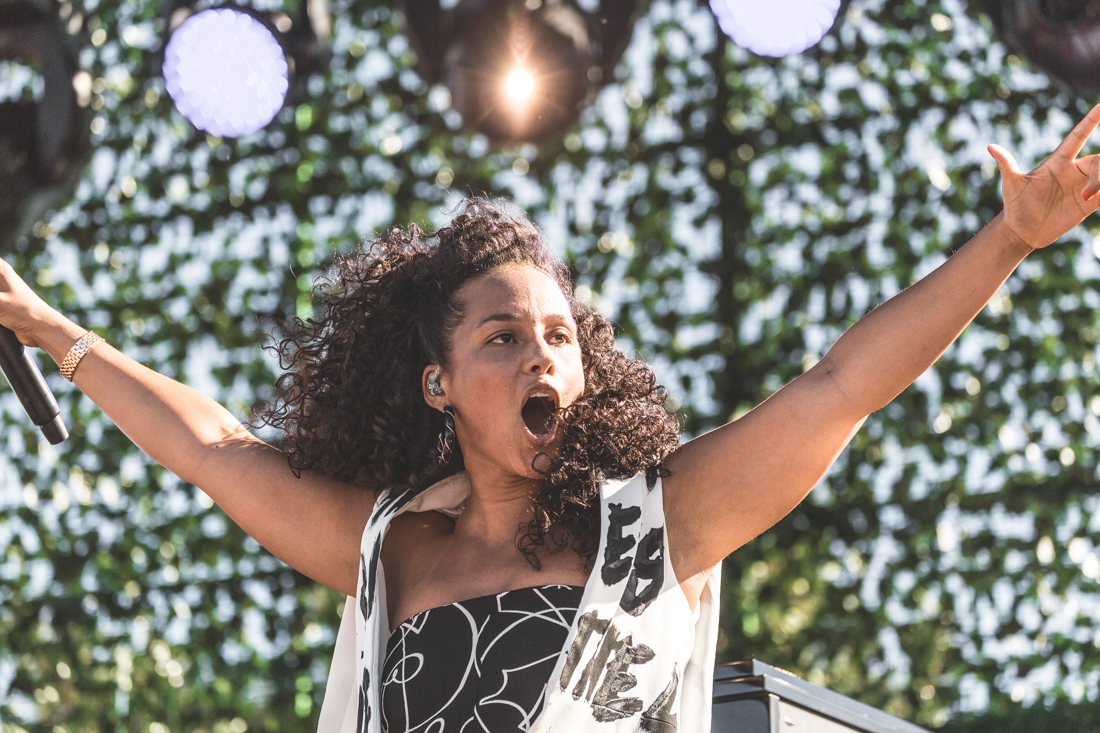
<point>1076,138</point>
<point>17,304</point>
<point>1005,162</point>
<point>1040,207</point>
<point>1092,165</point>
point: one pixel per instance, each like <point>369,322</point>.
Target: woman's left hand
<point>1041,206</point>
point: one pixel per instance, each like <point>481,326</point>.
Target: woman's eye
<point>559,338</point>
<point>504,338</point>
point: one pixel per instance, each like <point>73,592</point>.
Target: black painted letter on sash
<point>590,675</point>
<point>362,718</point>
<point>586,624</point>
<point>607,705</point>
<point>372,577</point>
<point>659,718</point>
<point>649,564</point>
<point>615,566</point>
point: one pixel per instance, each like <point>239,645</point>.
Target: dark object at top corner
<point>1061,37</point>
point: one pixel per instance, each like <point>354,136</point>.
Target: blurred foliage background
<point>732,214</point>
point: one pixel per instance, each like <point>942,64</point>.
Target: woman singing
<point>525,544</point>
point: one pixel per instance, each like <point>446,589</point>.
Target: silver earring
<point>433,385</point>
<point>445,445</point>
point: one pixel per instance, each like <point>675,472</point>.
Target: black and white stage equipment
<point>231,67</point>
<point>753,697</point>
<point>44,143</point>
<point>1061,37</point>
<point>520,70</point>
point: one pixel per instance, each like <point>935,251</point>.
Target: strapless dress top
<point>476,665</point>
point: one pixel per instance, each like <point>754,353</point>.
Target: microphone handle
<point>29,386</point>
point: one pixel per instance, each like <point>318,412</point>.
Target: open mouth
<point>538,416</point>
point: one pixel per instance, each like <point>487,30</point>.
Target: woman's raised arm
<point>312,523</point>
<point>731,484</point>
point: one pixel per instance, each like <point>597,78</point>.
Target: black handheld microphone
<point>29,386</point>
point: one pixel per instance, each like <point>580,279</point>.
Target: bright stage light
<point>226,72</point>
<point>775,27</point>
<point>520,85</point>
<point>520,70</point>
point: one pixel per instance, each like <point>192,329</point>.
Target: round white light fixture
<point>226,72</point>
<point>775,27</point>
<point>519,85</point>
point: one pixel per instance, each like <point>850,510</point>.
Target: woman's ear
<point>433,383</point>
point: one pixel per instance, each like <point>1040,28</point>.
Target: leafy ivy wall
<point>732,214</point>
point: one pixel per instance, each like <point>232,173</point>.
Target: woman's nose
<point>541,360</point>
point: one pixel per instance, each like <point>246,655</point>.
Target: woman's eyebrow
<point>504,317</point>
<point>513,317</point>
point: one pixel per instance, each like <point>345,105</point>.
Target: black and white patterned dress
<point>636,657</point>
<point>476,665</point>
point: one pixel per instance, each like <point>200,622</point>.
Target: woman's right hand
<point>21,310</point>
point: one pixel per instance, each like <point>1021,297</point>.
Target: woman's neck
<point>498,506</point>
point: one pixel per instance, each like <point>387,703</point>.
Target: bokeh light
<point>226,72</point>
<point>776,27</point>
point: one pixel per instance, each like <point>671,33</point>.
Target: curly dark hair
<point>351,403</point>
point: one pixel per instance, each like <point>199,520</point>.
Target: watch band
<point>82,346</point>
